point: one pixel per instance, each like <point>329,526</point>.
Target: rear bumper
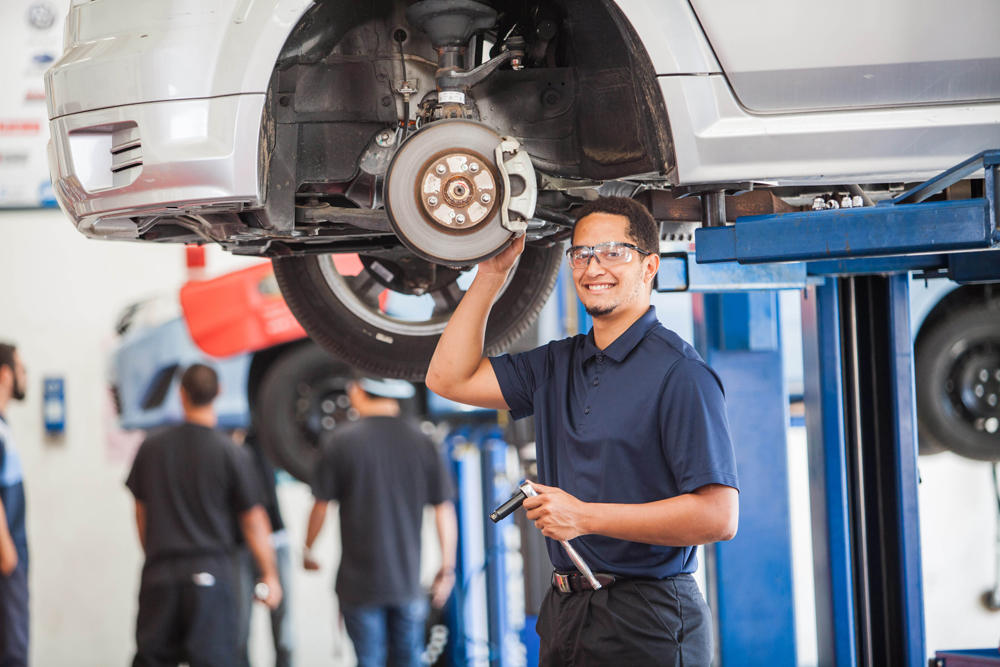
<point>109,166</point>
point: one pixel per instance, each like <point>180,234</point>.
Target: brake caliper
<point>513,162</point>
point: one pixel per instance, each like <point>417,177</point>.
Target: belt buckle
<point>562,582</point>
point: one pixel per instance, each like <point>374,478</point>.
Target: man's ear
<point>651,268</point>
<point>5,373</point>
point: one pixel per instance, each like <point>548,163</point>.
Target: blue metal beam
<point>903,226</point>
<point>872,231</point>
<point>829,500</point>
<point>904,412</point>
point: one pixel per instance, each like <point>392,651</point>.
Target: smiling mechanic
<point>633,447</point>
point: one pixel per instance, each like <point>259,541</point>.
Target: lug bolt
<point>984,375</point>
<point>485,198</point>
<point>432,201</point>
<point>474,167</point>
<point>465,167</point>
<point>451,214</point>
<point>979,391</point>
<point>460,219</point>
<point>440,169</point>
<point>992,400</point>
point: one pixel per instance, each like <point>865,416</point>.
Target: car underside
<point>396,145</point>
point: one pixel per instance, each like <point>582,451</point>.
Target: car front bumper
<point>115,169</point>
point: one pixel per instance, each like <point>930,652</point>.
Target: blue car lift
<point>860,412</point>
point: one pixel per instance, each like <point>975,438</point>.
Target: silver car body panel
<point>119,51</point>
<point>194,74</point>
<point>717,140</point>
<point>788,55</point>
<point>190,155</point>
<point>672,36</point>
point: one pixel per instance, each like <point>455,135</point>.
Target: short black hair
<point>7,352</point>
<point>642,229</point>
<point>201,383</point>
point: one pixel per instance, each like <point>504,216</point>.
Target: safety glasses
<point>612,253</point>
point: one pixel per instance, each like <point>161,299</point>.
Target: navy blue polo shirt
<point>640,421</point>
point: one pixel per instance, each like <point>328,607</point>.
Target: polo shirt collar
<point>625,343</point>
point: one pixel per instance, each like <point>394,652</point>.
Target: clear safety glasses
<point>611,253</point>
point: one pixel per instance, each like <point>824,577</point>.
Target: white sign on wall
<point>31,40</point>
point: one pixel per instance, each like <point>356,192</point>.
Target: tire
<point>301,398</point>
<point>386,347</point>
<point>951,360</point>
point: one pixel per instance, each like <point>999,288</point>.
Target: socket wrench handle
<point>581,565</point>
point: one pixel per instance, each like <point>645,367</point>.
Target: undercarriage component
<point>443,194</point>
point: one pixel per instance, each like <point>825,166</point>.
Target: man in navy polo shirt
<point>634,451</point>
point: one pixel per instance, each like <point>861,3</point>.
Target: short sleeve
<point>439,484</point>
<point>519,375</point>
<point>137,475</point>
<point>246,488</point>
<point>324,476</point>
<point>695,428</point>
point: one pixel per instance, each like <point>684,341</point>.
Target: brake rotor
<point>443,193</point>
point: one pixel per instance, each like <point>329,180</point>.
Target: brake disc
<point>443,193</point>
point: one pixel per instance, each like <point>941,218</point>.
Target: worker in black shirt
<point>383,471</point>
<point>248,572</point>
<point>189,483</point>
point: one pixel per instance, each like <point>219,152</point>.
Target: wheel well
<point>961,297</point>
<point>333,90</point>
<point>261,362</point>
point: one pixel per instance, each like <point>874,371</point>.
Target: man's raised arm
<point>458,370</point>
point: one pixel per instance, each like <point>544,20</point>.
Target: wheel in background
<point>957,364</point>
<point>301,398</point>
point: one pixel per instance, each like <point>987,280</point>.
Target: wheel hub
<point>458,190</point>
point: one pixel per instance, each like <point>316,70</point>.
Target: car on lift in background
<point>425,136</point>
<point>271,375</point>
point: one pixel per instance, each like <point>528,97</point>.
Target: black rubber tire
<point>389,354</point>
<point>941,426</point>
<point>286,440</point>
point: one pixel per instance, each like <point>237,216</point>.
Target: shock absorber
<point>451,24</point>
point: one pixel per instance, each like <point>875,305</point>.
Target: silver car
<point>385,147</point>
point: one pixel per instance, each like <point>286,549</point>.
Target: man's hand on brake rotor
<point>556,513</point>
<point>501,264</point>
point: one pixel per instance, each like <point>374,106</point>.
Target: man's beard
<point>600,311</point>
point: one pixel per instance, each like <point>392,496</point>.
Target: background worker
<point>282,631</point>
<point>633,445</point>
<point>383,471</point>
<point>191,490</point>
<point>14,618</point>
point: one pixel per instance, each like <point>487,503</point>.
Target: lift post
<point>860,407</point>
<point>750,577</point>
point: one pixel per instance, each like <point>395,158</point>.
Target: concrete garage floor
<point>60,295</point>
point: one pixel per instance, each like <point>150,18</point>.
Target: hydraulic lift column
<point>861,417</point>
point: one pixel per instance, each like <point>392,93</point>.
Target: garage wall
<point>59,297</point>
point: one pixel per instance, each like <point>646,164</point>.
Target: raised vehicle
<point>425,136</point>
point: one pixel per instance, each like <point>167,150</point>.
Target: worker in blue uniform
<point>635,458</point>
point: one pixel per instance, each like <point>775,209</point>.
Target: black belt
<point>575,582</point>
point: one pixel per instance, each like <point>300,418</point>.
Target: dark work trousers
<point>632,622</point>
<point>186,622</point>
<point>14,617</point>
